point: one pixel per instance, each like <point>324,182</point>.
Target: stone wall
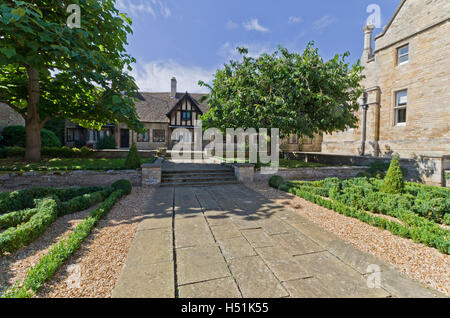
<point>152,173</point>
<point>120,153</point>
<point>313,174</point>
<point>66,179</point>
<point>426,169</point>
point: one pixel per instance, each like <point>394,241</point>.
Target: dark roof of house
<point>153,107</point>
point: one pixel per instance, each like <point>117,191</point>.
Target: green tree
<point>393,182</point>
<point>49,70</point>
<point>297,93</point>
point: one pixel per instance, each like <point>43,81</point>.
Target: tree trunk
<point>32,122</point>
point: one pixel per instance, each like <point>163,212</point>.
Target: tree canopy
<point>50,70</point>
<point>298,93</point>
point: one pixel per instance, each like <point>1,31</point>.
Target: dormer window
<point>403,54</point>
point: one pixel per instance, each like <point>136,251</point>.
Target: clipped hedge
<point>53,152</point>
<point>15,237</point>
<point>356,196</point>
<point>23,199</point>
<point>60,252</point>
<point>276,181</point>
<point>393,182</point>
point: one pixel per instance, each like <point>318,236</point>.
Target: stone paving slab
<point>151,281</point>
<point>258,238</point>
<point>307,288</point>
<point>282,264</point>
<point>340,279</point>
<point>200,264</point>
<point>151,247</point>
<point>231,241</point>
<point>297,243</point>
<point>217,288</point>
<point>225,231</point>
<point>255,279</point>
<point>235,248</point>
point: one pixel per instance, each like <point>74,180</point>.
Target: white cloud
<point>135,7</point>
<point>231,25</point>
<point>323,22</point>
<point>154,76</point>
<point>228,50</point>
<point>253,25</point>
<point>293,20</point>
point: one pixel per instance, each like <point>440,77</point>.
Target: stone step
<point>198,184</point>
<point>197,172</point>
<point>197,178</point>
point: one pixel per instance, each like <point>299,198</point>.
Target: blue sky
<point>190,39</point>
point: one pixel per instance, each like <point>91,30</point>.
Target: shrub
<point>393,182</point>
<point>107,142</point>
<point>80,143</point>
<point>133,160</point>
<point>10,152</point>
<point>14,136</point>
<point>123,184</point>
<point>276,181</point>
<point>85,151</point>
<point>49,139</point>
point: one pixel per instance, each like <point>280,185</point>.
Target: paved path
<point>230,241</point>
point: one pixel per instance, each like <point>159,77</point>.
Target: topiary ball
<point>276,181</point>
<point>122,184</point>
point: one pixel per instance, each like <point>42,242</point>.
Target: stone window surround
<point>161,133</point>
<point>398,55</point>
<point>143,137</point>
<point>396,107</point>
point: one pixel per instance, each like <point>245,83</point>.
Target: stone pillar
<point>244,173</point>
<point>151,173</point>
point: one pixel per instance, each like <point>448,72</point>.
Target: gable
<point>412,16</point>
<point>185,112</point>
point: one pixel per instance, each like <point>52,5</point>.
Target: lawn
<point>420,213</point>
<point>284,163</point>
<point>65,164</point>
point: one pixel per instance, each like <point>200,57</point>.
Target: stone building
<point>407,84</point>
<point>8,117</point>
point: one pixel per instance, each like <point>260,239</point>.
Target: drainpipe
<point>365,107</point>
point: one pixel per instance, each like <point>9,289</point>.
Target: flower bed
<point>421,212</point>
<point>28,224</point>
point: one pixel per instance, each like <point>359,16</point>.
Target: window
<point>186,115</point>
<point>400,107</point>
<point>293,139</point>
<point>143,137</point>
<point>403,54</point>
<point>307,141</point>
<point>93,135</point>
<point>159,135</point>
<point>72,134</point>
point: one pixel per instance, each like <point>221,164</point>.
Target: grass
<point>65,164</point>
<point>284,163</point>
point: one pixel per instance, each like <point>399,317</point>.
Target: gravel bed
<point>14,266</point>
<point>418,261</point>
<point>94,269</point>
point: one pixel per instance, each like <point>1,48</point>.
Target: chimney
<point>173,87</point>
<point>368,32</point>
